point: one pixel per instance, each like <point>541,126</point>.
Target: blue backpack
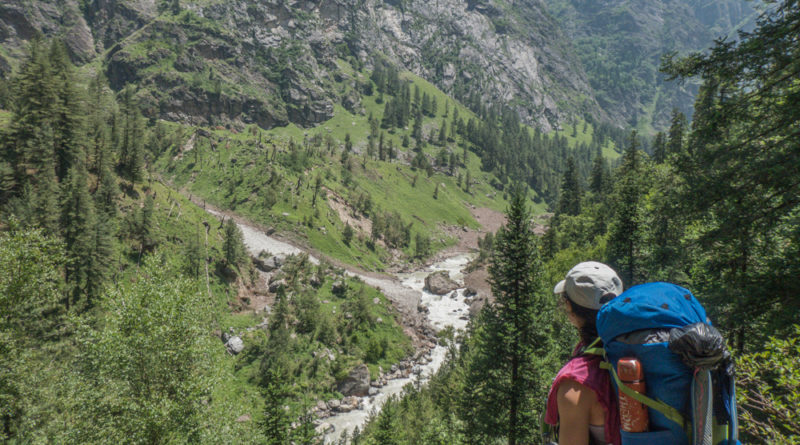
<point>690,392</point>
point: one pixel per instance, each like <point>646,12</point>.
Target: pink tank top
<point>585,369</point>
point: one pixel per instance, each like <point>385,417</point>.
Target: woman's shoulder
<point>572,393</point>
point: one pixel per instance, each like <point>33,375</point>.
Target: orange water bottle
<point>632,413</point>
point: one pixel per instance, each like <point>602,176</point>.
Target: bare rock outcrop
<point>356,383</point>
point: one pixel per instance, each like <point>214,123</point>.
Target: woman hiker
<point>582,401</point>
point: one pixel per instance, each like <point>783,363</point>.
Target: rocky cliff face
<point>513,55</point>
<point>270,62</point>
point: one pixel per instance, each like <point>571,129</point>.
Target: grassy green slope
<point>256,173</point>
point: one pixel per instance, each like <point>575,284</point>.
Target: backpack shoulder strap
<point>594,348</point>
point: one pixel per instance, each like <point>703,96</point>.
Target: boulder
<point>356,383</point>
<point>243,418</point>
<point>439,283</point>
<point>470,292</point>
<point>373,391</point>
<point>235,345</point>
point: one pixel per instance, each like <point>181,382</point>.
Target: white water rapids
<point>406,291</point>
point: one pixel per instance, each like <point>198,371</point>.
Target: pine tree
<point>79,232</point>
<point>275,423</point>
<point>513,336</point>
<point>233,245</point>
<point>30,148</point>
<point>417,131</point>
<point>99,263</point>
<point>443,133</point>
<point>739,174</point>
<point>387,431</point>
<point>69,124</point>
<point>625,231</point>
<point>45,199</point>
<point>143,224</point>
<point>660,148</point>
<point>131,140</point>
<point>426,105</point>
<point>347,234</point>
<point>599,179</point>
<point>107,193</point>
<point>569,202</point>
<point>677,132</point>
<point>388,120</point>
<point>348,143</point>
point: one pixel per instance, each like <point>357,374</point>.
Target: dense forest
<point>117,284</point>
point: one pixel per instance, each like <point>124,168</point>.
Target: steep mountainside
<point>620,43</point>
<point>272,62</point>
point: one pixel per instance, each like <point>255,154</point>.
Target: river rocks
<point>356,383</point>
<point>470,292</point>
<point>324,428</point>
<point>234,345</point>
<point>269,264</point>
<point>439,283</point>
<point>477,304</point>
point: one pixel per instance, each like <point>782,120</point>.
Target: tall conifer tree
<point>569,200</point>
<point>78,229</point>
<point>625,231</point>
<point>508,371</point>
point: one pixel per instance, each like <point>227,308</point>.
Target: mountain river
<point>404,290</point>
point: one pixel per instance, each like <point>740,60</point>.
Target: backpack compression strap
<point>668,411</point>
<point>665,409</point>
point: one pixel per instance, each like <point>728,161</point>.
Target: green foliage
<point>31,288</point>
<point>740,186</point>
<point>768,391</point>
<point>148,370</point>
<point>233,244</point>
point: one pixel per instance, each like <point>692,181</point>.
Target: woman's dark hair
<point>587,332</point>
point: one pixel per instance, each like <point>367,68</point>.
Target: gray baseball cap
<point>587,283</point>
